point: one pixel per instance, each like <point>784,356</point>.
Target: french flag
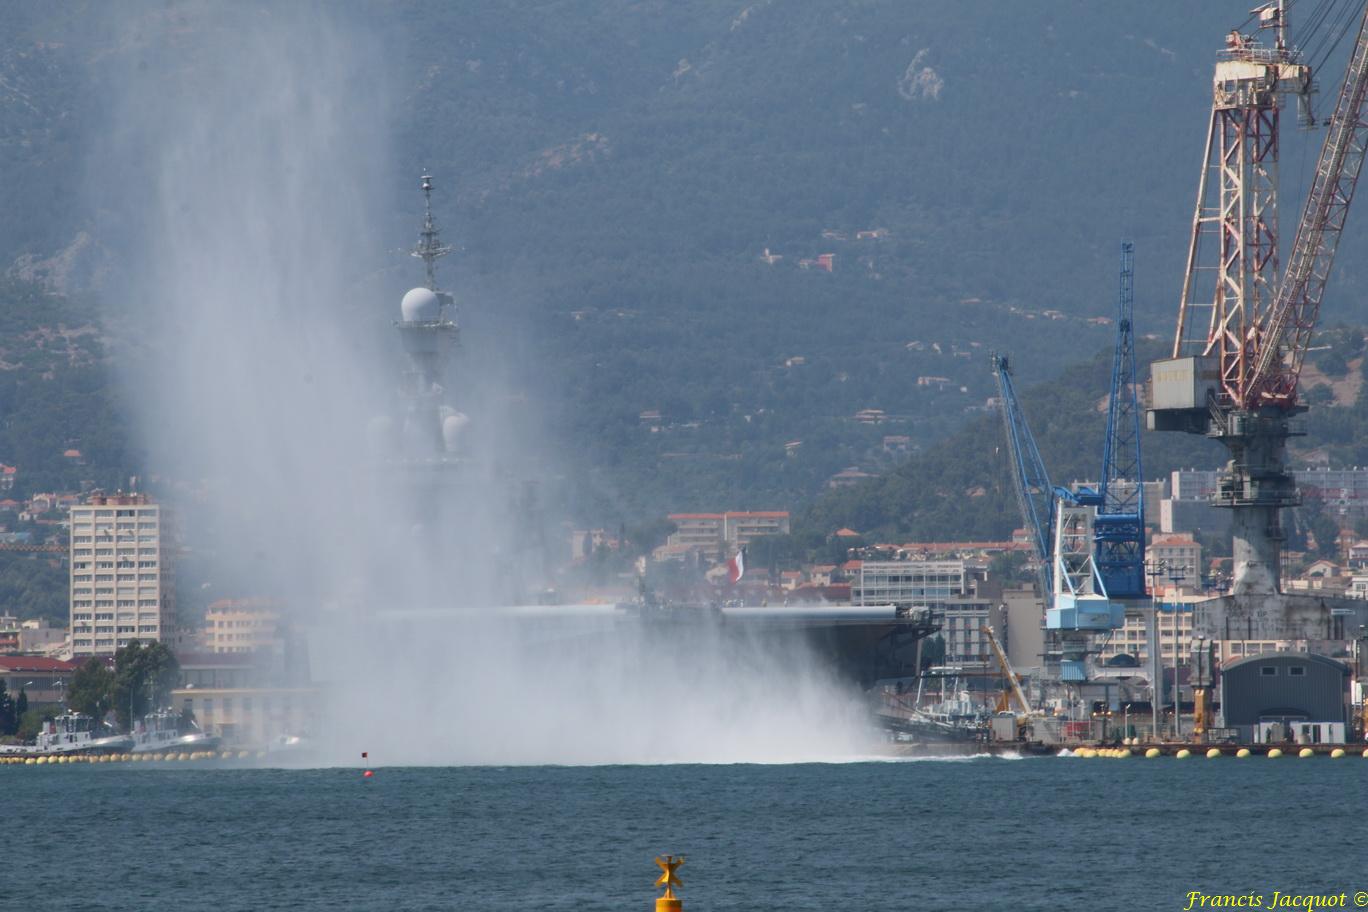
<point>736,567</point>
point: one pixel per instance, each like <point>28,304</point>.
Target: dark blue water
<point>1035,834</point>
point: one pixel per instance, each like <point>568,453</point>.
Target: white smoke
<point>247,145</point>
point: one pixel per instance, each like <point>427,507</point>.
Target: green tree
<point>91,689</point>
<point>32,721</point>
<point>933,651</point>
<point>9,721</point>
<point>1010,567</point>
<point>21,705</point>
<point>144,677</point>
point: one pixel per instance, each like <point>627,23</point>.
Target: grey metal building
<point>1281,696</point>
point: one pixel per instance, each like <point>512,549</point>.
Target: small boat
<point>955,719</point>
<point>72,733</point>
<point>165,730</point>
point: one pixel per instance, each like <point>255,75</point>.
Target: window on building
<point>1268,671</point>
<point>1297,671</point>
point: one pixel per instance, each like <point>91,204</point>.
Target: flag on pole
<point>736,567</point>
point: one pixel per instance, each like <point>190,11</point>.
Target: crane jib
<point>1282,347</point>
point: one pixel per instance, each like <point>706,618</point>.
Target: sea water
<point>987,833</point>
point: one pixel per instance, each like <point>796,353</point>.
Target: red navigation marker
<point>367,774</point>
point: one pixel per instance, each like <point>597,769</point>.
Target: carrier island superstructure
<point>449,494</point>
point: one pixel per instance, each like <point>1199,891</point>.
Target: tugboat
<point>165,730</point>
<point>72,733</point>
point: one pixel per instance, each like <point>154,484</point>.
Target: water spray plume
<point>246,149</point>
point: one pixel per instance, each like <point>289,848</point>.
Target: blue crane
<point>1119,527</point>
<point>1078,607</point>
<point>1035,494</point>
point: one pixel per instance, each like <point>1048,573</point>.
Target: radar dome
<point>452,427</point>
<point>420,305</point>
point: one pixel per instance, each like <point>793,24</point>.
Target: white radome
<point>452,426</point>
<point>420,305</point>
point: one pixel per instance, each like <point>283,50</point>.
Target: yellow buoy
<point>1337,753</point>
<point>669,902</point>
<point>243,755</point>
<point>1125,752</point>
<point>1306,752</point>
<point>1153,752</point>
<point>29,761</point>
<point>1213,753</point>
<point>1183,754</point>
<point>1242,753</point>
<point>1274,754</point>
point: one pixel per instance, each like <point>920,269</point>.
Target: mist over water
<point>245,176</point>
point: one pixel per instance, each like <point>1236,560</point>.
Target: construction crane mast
<point>1035,495</point>
<point>1243,331</point>
<point>1119,527</point>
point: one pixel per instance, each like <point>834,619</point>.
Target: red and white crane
<point>1243,329</point>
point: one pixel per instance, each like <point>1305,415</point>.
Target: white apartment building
<point>1175,638</point>
<point>909,582</point>
<point>1181,557</point>
<point>120,582</point>
<point>716,534</point>
<point>946,587</point>
<point>242,625</point>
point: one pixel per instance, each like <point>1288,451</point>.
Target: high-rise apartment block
<point>120,579</point>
